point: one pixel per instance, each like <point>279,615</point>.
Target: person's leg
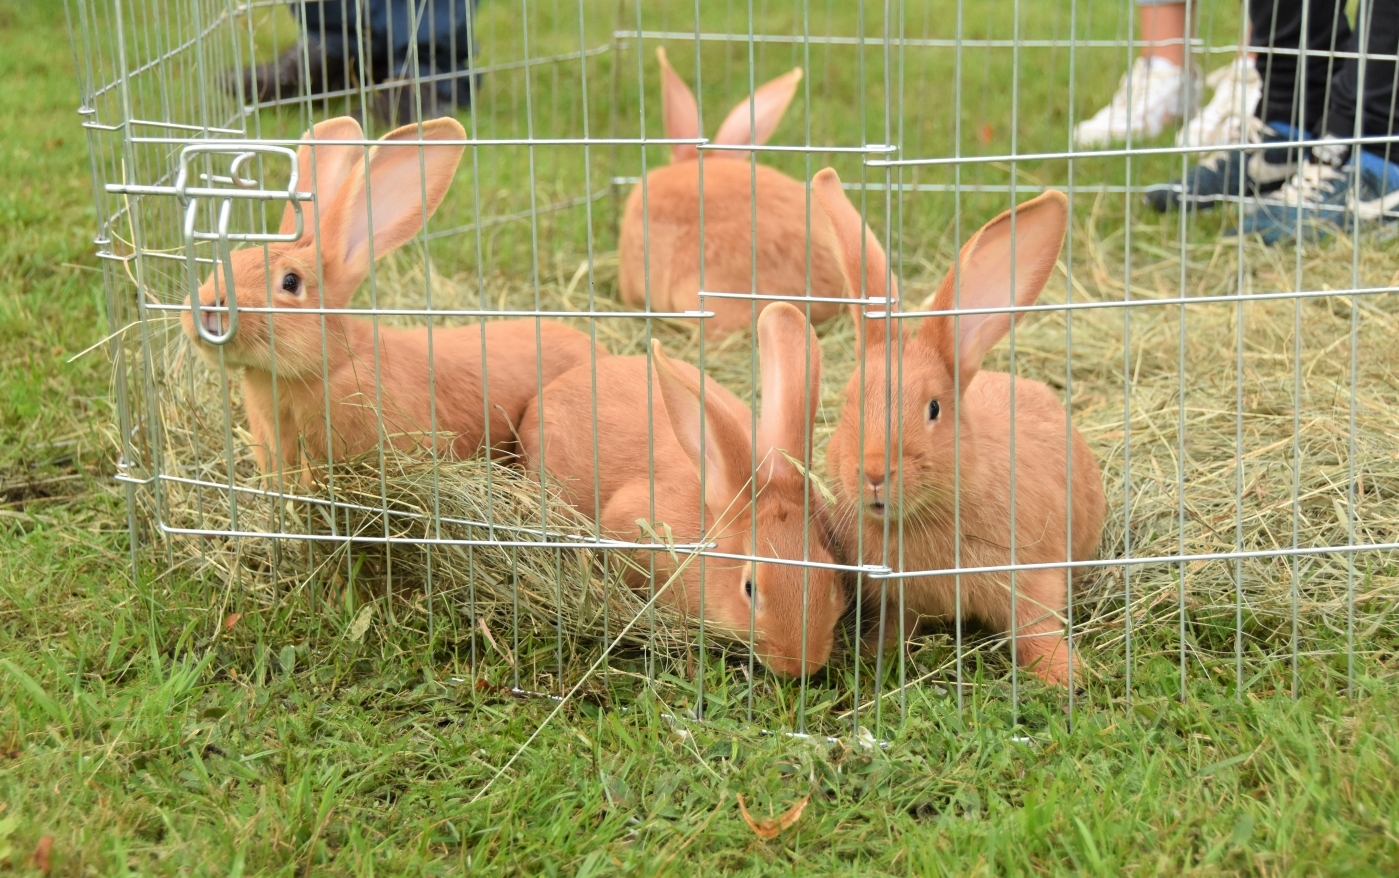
<point>1277,27</point>
<point>454,51</point>
<point>1375,81</point>
<point>1155,92</point>
<point>441,44</point>
<point>322,63</point>
<point>1340,185</point>
<point>1163,31</point>
<point>1378,28</point>
<point>1243,103</point>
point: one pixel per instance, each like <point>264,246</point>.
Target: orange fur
<point>324,402</point>
<point>624,492</point>
<point>908,467</point>
<point>663,234</point>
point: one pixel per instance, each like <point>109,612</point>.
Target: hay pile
<point>434,535</point>
<point>574,585</point>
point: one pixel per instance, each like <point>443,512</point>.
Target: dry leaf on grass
<point>43,853</point>
<point>361,623</point>
<point>230,620</point>
<point>768,828</point>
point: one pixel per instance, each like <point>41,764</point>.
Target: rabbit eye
<point>290,282</point>
<point>934,410</point>
<point>748,588</point>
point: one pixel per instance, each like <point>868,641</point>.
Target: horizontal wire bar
<point>794,297</point>
<point>997,188</point>
<point>389,85</point>
<point>815,149</point>
<point>244,142</point>
<point>206,192</point>
<point>125,76</point>
<point>871,571</point>
<point>564,541</point>
<point>870,148</point>
<point>1062,306</point>
<point>577,542</point>
<point>207,129</point>
<point>334,505</point>
<point>502,219</point>
<point>201,129</point>
<point>446,312</point>
<point>1127,152</point>
<point>1283,295</point>
<point>797,562</point>
<point>1140,560</point>
<point>879,42</point>
<point>1197,45</point>
<point>705,145</point>
<point>545,539</point>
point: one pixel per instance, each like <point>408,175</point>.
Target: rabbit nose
<point>213,320</point>
<point>876,480</point>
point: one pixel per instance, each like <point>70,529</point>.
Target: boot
<point>282,79</point>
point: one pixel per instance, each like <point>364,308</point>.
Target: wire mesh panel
<point>535,328</point>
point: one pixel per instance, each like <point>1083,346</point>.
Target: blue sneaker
<point>1382,202</point>
<point>1218,175</point>
<point>1321,200</point>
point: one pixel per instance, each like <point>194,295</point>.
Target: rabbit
<point>778,596</point>
<point>911,490</point>
<point>661,233</point>
<point>325,402</point>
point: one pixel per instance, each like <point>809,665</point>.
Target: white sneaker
<point>1150,97</point>
<point>1237,90</point>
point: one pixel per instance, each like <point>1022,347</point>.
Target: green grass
<point>148,736</point>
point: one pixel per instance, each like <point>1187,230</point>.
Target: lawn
<point>159,723</point>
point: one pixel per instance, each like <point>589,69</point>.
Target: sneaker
<point>1321,200</point>
<point>1150,97</point>
<point>300,70</point>
<point>1379,198</point>
<point>1237,91</point>
<point>1219,174</point>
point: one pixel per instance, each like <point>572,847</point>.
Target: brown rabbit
<point>665,238</point>
<point>778,596</point>
<point>328,375</point>
<point>913,485</point>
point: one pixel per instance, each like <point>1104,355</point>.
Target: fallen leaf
<point>988,133</point>
<point>361,623</point>
<point>42,853</point>
<point>230,620</point>
<point>768,828</point>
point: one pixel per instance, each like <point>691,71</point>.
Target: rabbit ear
<point>728,459</point>
<point>679,110</point>
<point>851,233</point>
<point>1000,266</point>
<point>791,393</point>
<point>398,178</point>
<point>324,173</point>
<point>755,125</point>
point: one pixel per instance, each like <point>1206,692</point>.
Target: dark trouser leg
<point>1277,25</point>
<point>1377,25</point>
<point>440,49</point>
<point>330,39</point>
